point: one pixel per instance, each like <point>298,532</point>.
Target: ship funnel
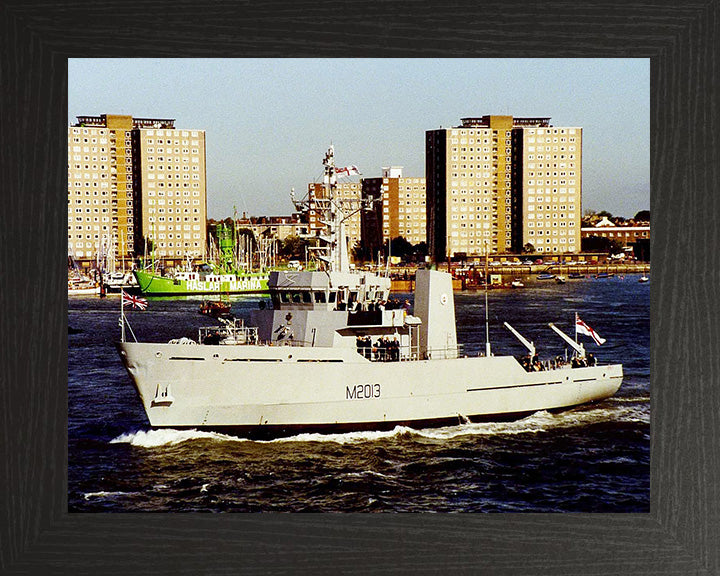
<point>435,306</point>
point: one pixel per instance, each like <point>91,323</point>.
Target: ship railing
<point>288,342</point>
<point>405,353</point>
<point>375,354</point>
<point>447,352</point>
<point>230,333</point>
<point>557,363</point>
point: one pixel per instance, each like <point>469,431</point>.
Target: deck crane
<point>579,348</point>
<point>529,345</point>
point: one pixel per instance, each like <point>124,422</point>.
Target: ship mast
<point>333,218</point>
<point>334,211</point>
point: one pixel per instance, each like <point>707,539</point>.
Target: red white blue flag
<point>583,328</point>
<point>134,301</point>
<point>348,171</point>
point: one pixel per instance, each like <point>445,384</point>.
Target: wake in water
<point>103,494</point>
<point>169,437</point>
<point>635,410</point>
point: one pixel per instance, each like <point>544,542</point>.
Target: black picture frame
<point>681,533</point>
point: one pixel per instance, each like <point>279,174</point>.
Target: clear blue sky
<point>268,122</point>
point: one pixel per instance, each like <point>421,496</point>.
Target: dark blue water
<point>589,459</point>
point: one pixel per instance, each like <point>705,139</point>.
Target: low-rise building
<point>278,227</point>
<point>625,233</point>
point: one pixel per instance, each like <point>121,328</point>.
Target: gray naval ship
<point>330,354</point>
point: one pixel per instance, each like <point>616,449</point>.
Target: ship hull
<point>155,285</point>
<point>268,391</point>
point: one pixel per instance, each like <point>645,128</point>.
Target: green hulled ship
<point>200,283</point>
<point>222,277</point>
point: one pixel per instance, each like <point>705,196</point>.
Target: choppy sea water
<point>594,458</point>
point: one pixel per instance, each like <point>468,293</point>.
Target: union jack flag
<point>134,301</point>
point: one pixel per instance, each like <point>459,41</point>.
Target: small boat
<point>643,279</point>
<point>80,284</point>
<point>214,308</point>
<point>116,281</point>
<point>517,284</point>
<point>560,279</point>
<point>545,276</point>
<point>575,275</point>
<point>88,288</point>
<point>604,275</point>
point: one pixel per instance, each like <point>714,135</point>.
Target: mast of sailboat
<point>122,249</point>
<point>152,246</point>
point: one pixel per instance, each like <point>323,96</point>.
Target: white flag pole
<point>576,323</point>
<point>122,315</point>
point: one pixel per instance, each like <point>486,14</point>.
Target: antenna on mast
<point>333,211</point>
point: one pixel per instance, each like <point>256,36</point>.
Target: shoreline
<point>465,278</point>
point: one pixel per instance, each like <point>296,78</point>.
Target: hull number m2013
<point>360,391</point>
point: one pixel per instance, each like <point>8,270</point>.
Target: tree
<point>528,249</point>
<point>642,216</point>
<point>400,247</point>
<point>600,244</point>
<point>420,250</point>
<point>294,247</point>
<point>604,213</point>
<point>360,252</point>
<point>148,245</point>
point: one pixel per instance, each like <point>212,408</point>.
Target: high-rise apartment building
<point>101,208</point>
<point>548,190</point>
<point>499,183</point>
<point>398,209</point>
<point>135,185</point>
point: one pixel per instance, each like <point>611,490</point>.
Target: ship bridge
<point>350,292</point>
